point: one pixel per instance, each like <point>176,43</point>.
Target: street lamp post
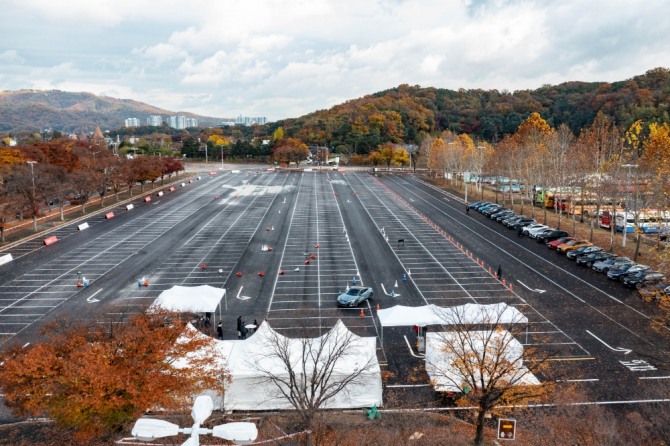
<point>625,218</point>
<point>148,429</point>
<point>32,177</point>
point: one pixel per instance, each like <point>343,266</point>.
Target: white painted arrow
<point>625,351</point>
<point>530,289</point>
<point>90,298</point>
<point>242,297</point>
<point>393,293</point>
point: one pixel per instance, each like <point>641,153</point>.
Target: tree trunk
<point>34,222</point>
<point>637,246</point>
<point>479,435</point>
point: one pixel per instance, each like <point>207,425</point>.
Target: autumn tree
<point>289,150</point>
<point>480,355</point>
<point>389,154</point>
<point>437,156</point>
<point>96,378</point>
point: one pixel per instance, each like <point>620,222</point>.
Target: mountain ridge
<point>35,110</point>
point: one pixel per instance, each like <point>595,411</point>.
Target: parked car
<point>521,224</point>
<point>509,222</point>
<point>479,204</point>
<point>501,212</point>
<point>559,241</point>
<point>574,244</point>
<point>487,207</point>
<point>505,215</point>
<point>536,233</point>
<point>574,253</point>
<point>526,230</point>
<point>492,210</point>
<point>641,279</point>
<point>551,235</point>
<point>621,272</point>
<point>354,296</point>
<point>602,266</point>
<point>589,259</point>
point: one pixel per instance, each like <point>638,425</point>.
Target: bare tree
<point>481,357</point>
<point>310,373</point>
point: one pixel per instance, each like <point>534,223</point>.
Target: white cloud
<point>284,58</point>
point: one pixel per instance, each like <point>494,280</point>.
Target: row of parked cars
<point>583,252</point>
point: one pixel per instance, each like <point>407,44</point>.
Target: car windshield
<point>353,292</point>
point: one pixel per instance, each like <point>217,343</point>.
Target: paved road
<point>284,244</point>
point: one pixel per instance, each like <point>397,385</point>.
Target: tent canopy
<point>443,350</point>
<point>400,315</point>
<point>246,359</point>
<point>195,299</point>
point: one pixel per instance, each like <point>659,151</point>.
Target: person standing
<point>219,331</point>
<point>499,272</point>
<point>240,324</point>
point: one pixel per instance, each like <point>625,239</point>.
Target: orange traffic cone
<point>306,261</point>
<point>261,274</point>
<point>362,313</point>
<point>239,274</point>
<point>313,256</point>
<point>510,286</point>
<point>281,272</point>
<point>79,284</point>
<point>145,283</point>
<point>377,307</point>
<point>203,266</point>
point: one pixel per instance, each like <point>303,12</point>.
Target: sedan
<point>573,254</point>
<point>537,233</point>
<point>511,221</point>
<point>505,215</point>
<point>559,241</point>
<point>354,296</point>
<point>641,279</point>
<point>602,266</point>
<point>589,259</point>
<point>551,235</point>
<point>476,203</point>
<point>621,272</point>
<point>574,244</point>
<point>539,226</point>
<point>492,210</point>
<point>488,207</point>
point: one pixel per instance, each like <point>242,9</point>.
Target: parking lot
<point>285,244</point>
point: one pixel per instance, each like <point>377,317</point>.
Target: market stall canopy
<point>445,350</point>
<point>468,314</point>
<point>195,299</point>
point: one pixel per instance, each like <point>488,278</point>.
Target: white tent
<point>194,299</point>
<point>249,391</point>
<point>468,314</point>
<point>447,378</point>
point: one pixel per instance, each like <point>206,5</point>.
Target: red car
<point>554,243</point>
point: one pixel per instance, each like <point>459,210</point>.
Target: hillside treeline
<point>406,113</point>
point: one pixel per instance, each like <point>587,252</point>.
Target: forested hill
<point>403,113</point>
<point>36,110</point>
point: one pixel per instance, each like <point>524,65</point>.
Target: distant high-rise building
<point>181,122</point>
<point>132,122</point>
<point>246,120</point>
<point>155,120</point>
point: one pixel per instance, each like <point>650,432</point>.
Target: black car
<point>500,217</point>
<point>622,271</point>
<point>641,279</point>
<point>523,223</point>
<point>551,235</point>
<point>589,259</point>
<point>476,203</point>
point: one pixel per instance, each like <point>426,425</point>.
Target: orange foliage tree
<point>98,378</point>
<point>288,150</point>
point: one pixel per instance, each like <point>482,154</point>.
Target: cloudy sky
<point>285,58</point>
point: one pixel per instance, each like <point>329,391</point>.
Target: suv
<point>603,266</point>
<point>582,251</point>
<point>589,259</point>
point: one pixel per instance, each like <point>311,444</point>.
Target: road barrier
<point>147,199</point>
<point>50,240</point>
<point>171,189</point>
<point>109,215</point>
<point>83,226</point>
<point>160,194</point>
<point>129,206</point>
<point>183,184</point>
<point>5,258</point>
